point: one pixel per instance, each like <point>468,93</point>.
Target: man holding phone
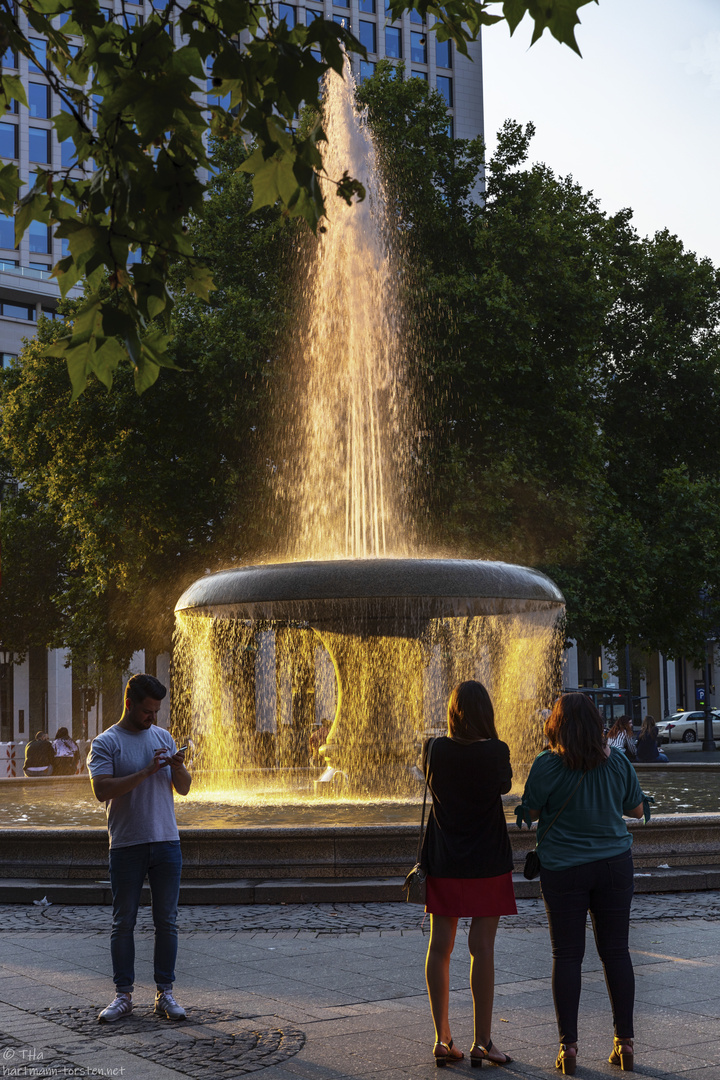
<point>134,767</point>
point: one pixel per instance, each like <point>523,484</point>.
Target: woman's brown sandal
<point>623,1054</point>
<point>446,1054</point>
<point>566,1061</point>
<point>476,1060</point>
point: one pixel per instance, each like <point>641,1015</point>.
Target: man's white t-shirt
<point>145,815</point>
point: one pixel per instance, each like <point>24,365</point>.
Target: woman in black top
<point>468,860</point>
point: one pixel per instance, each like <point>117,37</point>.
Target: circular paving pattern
<point>208,1043</point>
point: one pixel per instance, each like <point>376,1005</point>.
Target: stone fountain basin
<point>399,594</point>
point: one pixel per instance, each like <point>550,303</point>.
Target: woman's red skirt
<point>470,897</point>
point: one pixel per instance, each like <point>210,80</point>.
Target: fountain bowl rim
<point>366,580</point>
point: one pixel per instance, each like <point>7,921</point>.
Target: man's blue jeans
<point>162,864</point>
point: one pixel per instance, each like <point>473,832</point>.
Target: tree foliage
<point>131,111</point>
<point>572,374</point>
<point>124,500</point>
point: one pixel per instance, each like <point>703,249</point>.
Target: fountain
<point>395,628</point>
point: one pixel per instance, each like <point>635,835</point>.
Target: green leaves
<point>133,109</point>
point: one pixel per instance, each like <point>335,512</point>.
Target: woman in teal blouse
<point>579,791</point>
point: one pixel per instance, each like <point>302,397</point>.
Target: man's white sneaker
<point>121,1006</point>
<point>166,1005</point>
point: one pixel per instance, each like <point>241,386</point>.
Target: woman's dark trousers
<point>605,889</point>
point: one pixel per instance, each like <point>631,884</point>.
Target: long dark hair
<point>470,713</point>
<point>574,730</point>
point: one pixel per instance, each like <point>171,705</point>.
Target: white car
<point>687,727</point>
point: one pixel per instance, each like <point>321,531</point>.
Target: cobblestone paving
<point>20,1059</point>
<point>322,918</point>
<point>210,1042</point>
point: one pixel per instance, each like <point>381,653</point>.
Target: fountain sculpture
<point>397,629</point>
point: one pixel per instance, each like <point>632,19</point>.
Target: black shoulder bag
<point>415,884</point>
<point>531,868</point>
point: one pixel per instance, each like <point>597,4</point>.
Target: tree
<point>124,501</point>
<point>130,110</point>
<point>572,375</point>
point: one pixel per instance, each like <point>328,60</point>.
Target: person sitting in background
<point>39,756</point>
<point>67,753</point>
<point>647,745</point>
<point>620,736</point>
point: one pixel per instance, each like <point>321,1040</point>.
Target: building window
<point>444,85</point>
<point>39,100</point>
<point>7,232</point>
<point>131,19</point>
<point>393,42</point>
<point>415,17</point>
<point>443,54</point>
<point>341,3</point>
<point>39,47</point>
<point>68,154</point>
<point>367,70</point>
<point>311,15</point>
<point>367,6</point>
<point>9,264</point>
<point>418,48</point>
<point>8,358</point>
<point>39,238</point>
<point>368,35</point>
<point>19,311</point>
<point>8,140</point>
<point>287,12</point>
<point>419,75</point>
<point>343,20</point>
<point>39,139</point>
<point>9,59</point>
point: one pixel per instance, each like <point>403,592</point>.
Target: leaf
<point>12,89</point>
<point>10,184</point>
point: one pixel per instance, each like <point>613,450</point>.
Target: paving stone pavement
<point>335,991</point>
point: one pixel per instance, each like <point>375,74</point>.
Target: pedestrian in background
<point>579,791</point>
<point>621,737</point>
<point>39,756</point>
<point>647,744</point>
<point>67,753</point>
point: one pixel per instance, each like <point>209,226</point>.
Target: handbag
<point>532,867</point>
<point>415,884</point>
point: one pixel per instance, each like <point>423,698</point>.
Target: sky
<point>636,120</point>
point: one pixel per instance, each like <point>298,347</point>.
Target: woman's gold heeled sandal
<point>476,1060</point>
<point>446,1054</point>
<point>565,1061</point>
<point>623,1054</point>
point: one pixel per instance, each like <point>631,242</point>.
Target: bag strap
<point>539,842</point>
<point>422,820</point>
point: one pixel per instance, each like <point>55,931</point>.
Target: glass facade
<point>368,35</point>
<point>39,100</point>
<point>393,42</point>
<point>445,87</point>
<point>39,142</point>
<point>443,54</point>
<point>39,238</point>
<point>288,13</point>
<point>7,232</point>
<point>8,140</point>
<point>418,48</point>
